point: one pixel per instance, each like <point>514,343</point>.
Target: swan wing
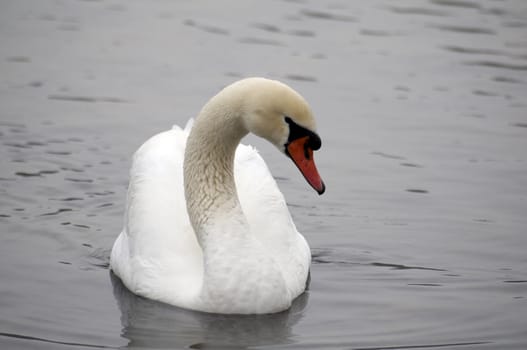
<point>157,254</point>
<point>269,219</point>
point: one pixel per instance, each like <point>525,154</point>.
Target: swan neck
<point>210,188</point>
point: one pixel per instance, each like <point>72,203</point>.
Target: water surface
<point>420,240</point>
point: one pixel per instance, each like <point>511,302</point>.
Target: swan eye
<point>307,148</point>
<point>296,131</point>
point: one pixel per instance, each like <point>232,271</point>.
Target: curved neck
<point>210,189</point>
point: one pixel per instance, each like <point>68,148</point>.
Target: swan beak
<point>302,155</point>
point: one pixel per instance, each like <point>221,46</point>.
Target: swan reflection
<point>147,323</point>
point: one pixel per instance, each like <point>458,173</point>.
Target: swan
<point>206,227</point>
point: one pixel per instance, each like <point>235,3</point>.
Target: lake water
<point>420,240</point>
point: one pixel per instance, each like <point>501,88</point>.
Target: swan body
<point>206,227</point>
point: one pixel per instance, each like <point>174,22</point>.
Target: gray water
<point>420,240</point>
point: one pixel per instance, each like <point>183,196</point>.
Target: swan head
<point>277,113</point>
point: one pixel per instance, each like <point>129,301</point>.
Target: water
<point>419,241</point>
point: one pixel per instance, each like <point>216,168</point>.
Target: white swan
<point>206,228</point>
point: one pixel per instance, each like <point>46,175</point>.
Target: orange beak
<point>302,155</point>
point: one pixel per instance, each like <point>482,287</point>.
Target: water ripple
<point>424,346</point>
<point>465,30</point>
<point>417,11</point>
<point>495,64</point>
<point>416,190</point>
<point>206,28</point>
<point>260,41</point>
<point>35,174</point>
<point>457,3</point>
<point>411,165</point>
<point>374,32</point>
<point>389,156</point>
<point>91,99</point>
<point>299,77</point>
<point>301,32</point>
<point>327,16</point>
<point>68,199</point>
<point>62,210</point>
<point>405,267</point>
<point>58,342</point>
<point>472,51</point>
<point>72,179</point>
<point>267,27</point>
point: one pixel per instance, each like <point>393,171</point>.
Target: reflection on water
<point>147,323</point>
<point>418,243</point>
